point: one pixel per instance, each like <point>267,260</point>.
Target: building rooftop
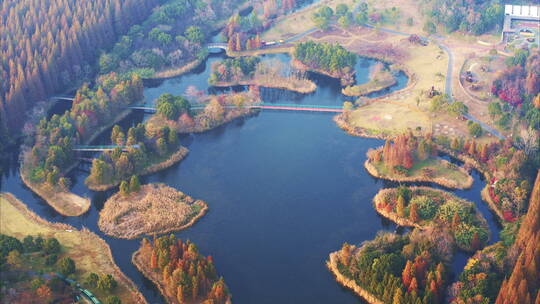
<point>531,11</point>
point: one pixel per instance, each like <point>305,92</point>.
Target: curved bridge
<point>222,46</point>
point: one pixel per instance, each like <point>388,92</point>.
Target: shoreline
<point>53,200</point>
<point>150,275</point>
<point>173,159</point>
<point>297,64</point>
<point>370,168</point>
<point>33,217</point>
<point>331,264</point>
<point>175,71</point>
<point>475,164</point>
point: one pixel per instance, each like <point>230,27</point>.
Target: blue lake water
<point>284,190</point>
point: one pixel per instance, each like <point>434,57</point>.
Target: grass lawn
<point>439,166</point>
<point>388,118</point>
<point>90,253</point>
<point>299,21</point>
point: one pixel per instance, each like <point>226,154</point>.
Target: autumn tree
<point>400,207</point>
<point>134,185</point>
<point>413,213</point>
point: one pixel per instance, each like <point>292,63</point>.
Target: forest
<point>243,32</point>
<point>187,275</point>
<point>475,17</point>
<point>173,36</point>
<point>504,166</point>
<point>518,88</point>
<point>399,269</point>
<point>426,206</point>
<point>325,56</point>
<point>144,149</point>
<point>48,46</point>
<point>51,153</point>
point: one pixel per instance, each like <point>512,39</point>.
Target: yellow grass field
<point>90,253</point>
<point>300,21</point>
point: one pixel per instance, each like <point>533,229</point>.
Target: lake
<point>284,189</point>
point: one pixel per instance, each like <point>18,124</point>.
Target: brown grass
<point>155,209</point>
<point>303,86</point>
<point>176,71</point>
<point>90,253</point>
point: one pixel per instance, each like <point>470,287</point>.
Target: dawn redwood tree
<point>413,213</point>
<point>407,274</point>
<point>134,185</point>
<point>400,207</point>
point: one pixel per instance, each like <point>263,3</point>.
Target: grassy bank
<point>65,203</point>
<point>155,209</point>
<point>90,253</point>
<point>443,173</point>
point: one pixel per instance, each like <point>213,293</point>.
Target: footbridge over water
<point>83,148</point>
<point>63,98</point>
<point>222,46</point>
<point>262,106</point>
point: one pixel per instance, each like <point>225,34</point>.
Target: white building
<point>529,13</point>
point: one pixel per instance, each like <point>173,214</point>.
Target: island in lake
<point>181,273</point>
<point>413,159</point>
<point>148,210</point>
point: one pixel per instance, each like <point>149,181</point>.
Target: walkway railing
<point>103,148</point>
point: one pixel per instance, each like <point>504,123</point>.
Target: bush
<point>91,280</point>
<point>475,129</point>
<point>426,207</point>
<point>113,300</point>
<point>107,283</point>
<point>51,246</point>
<point>430,28</point>
<point>51,259</point>
<point>66,266</point>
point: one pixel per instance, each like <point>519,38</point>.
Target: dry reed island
<point>150,209</point>
<point>265,73</point>
<point>32,245</point>
<point>409,158</point>
<point>180,272</point>
<point>380,78</point>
